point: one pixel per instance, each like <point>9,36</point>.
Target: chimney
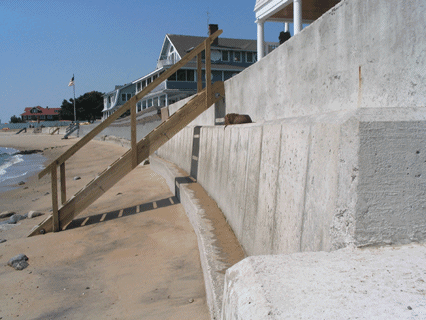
<point>212,29</point>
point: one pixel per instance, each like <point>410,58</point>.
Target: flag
<point>71,81</point>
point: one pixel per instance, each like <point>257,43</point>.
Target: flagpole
<point>75,117</point>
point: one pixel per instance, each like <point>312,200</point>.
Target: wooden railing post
<point>54,177</point>
<point>199,74</point>
<point>63,184</point>
<point>133,137</point>
<point>208,72</point>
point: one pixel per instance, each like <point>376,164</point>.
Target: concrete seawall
<point>336,155</point>
<point>314,183</point>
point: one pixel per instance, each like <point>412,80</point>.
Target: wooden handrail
<point>129,104</point>
<point>136,155</point>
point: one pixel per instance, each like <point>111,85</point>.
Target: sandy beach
<point>140,266</point>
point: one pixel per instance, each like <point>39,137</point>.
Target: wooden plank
<point>208,72</point>
<point>129,104</point>
<point>54,131</point>
<point>63,184</point>
<point>133,137</point>
<point>43,227</point>
<point>199,73</point>
<point>54,185</point>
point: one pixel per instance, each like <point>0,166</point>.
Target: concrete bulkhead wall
<point>315,183</point>
<point>319,70</point>
<point>330,173</point>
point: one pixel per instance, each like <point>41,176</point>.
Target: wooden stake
<point>63,184</point>
<point>199,74</point>
<point>133,137</point>
<point>54,184</point>
<point>208,74</point>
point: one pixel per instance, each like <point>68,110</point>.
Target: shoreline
<point>140,266</point>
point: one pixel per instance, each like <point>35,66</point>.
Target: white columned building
<point>287,11</point>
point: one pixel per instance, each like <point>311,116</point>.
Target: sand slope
<point>143,266</point>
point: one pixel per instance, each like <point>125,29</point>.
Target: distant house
<point>228,58</point>
<point>40,114</point>
<point>116,98</point>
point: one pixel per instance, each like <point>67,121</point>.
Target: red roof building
<point>41,114</point>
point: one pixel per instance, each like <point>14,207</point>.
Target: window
<point>225,55</point>
<point>181,75</point>
<point>49,117</point>
<point>109,99</point>
<point>126,96</point>
<point>190,75</point>
<point>42,117</point>
<point>172,77</point>
<point>148,81</point>
<point>138,86</point>
<point>143,104</point>
<point>143,84</point>
<point>237,56</point>
<point>56,111</point>
<point>249,56</point>
<point>155,77</point>
<point>139,107</point>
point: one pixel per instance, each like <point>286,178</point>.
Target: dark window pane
<point>190,75</point>
<point>225,56</point>
<point>172,77</point>
<point>181,75</point>
<point>249,57</point>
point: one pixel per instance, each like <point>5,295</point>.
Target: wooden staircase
<point>139,150</point>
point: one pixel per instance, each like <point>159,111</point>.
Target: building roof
<point>183,43</point>
<point>41,111</point>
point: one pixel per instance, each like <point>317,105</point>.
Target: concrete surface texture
<point>315,183</point>
<point>375,283</point>
<point>360,54</point>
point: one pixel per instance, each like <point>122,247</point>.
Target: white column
<point>297,16</point>
<point>260,39</point>
<point>286,27</point>
<point>167,100</point>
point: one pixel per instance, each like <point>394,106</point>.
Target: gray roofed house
<point>228,57</point>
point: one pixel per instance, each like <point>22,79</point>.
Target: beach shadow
<point>102,217</point>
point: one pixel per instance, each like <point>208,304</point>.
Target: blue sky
<point>104,43</point>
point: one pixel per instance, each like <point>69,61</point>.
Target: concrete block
<point>269,168</point>
<point>334,285</point>
<point>251,196</point>
<point>321,186</point>
<point>291,194</point>
<point>392,183</point>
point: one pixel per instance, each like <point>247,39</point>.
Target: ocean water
<point>15,168</point>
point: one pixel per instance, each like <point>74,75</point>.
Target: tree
<point>15,119</point>
<point>88,107</point>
